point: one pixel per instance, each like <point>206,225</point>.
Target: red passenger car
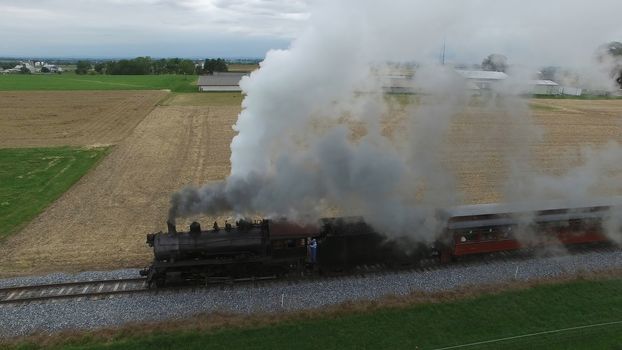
<point>487,228</point>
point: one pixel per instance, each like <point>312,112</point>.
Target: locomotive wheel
<point>160,281</point>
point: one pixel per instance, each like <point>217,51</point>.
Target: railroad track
<point>429,265</point>
<point>103,288</point>
<point>69,290</point>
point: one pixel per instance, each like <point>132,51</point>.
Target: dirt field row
<point>102,221</point>
<point>481,141</point>
<point>60,118</point>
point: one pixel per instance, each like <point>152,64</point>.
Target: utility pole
<point>443,52</point>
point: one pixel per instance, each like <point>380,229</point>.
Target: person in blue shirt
<point>313,247</point>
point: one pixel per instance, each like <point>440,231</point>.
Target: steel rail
<point>73,289</point>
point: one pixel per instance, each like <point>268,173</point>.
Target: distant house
<point>19,67</point>
<point>571,91</point>
<point>481,79</point>
<point>53,68</point>
<point>221,81</point>
<point>398,84</point>
<point>545,87</point>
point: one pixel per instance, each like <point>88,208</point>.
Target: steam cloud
<point>312,136</point>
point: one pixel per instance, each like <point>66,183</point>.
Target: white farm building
<point>545,87</point>
<point>480,79</point>
<point>221,81</point>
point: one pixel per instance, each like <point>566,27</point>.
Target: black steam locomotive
<point>271,248</point>
<point>248,249</point>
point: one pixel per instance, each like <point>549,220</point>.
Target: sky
<point>249,28</point>
<point>157,28</point>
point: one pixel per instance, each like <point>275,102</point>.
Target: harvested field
<point>102,221</point>
<point>79,118</point>
<point>204,99</point>
<point>480,139</point>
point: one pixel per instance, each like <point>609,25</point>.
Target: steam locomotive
<point>273,247</point>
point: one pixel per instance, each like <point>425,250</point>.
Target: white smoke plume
<point>312,138</point>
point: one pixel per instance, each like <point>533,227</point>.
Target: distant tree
<point>186,67</point>
<point>136,66</point>
<point>495,62</point>
<point>146,65</point>
<point>615,48</point>
<point>45,69</point>
<point>548,73</point>
<point>212,65</point>
<point>82,67</point>
<point>159,66</point>
<point>610,54</point>
<point>8,64</point>
<point>172,65</point>
<point>143,65</point>
<point>99,67</point>
<point>24,70</point>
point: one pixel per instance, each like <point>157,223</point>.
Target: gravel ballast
<point>17,320</point>
<point>64,277</point>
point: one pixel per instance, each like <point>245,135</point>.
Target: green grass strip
<point>32,178</point>
<point>70,81</point>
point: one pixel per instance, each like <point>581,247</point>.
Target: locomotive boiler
<point>247,249</point>
<point>230,242</point>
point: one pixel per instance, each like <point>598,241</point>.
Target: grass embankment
<point>241,67</point>
<point>581,97</point>
<point>32,178</point>
<point>71,81</point>
<point>486,320</point>
<point>542,107</point>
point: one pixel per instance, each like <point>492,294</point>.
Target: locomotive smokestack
<point>171,227</point>
<point>195,227</point>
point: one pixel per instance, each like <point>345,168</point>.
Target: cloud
<point>148,27</point>
<point>520,29</point>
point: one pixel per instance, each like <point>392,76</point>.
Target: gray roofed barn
<point>221,81</point>
<point>482,75</point>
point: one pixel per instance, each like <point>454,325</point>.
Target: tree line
<point>8,64</point>
<point>147,66</point>
<point>138,66</point>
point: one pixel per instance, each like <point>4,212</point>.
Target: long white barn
<point>221,81</point>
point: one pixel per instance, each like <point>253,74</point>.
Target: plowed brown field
<point>102,221</point>
<point>61,118</point>
<point>479,141</point>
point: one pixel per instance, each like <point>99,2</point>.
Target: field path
<point>102,221</point>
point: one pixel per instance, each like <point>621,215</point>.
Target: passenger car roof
<point>529,206</point>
